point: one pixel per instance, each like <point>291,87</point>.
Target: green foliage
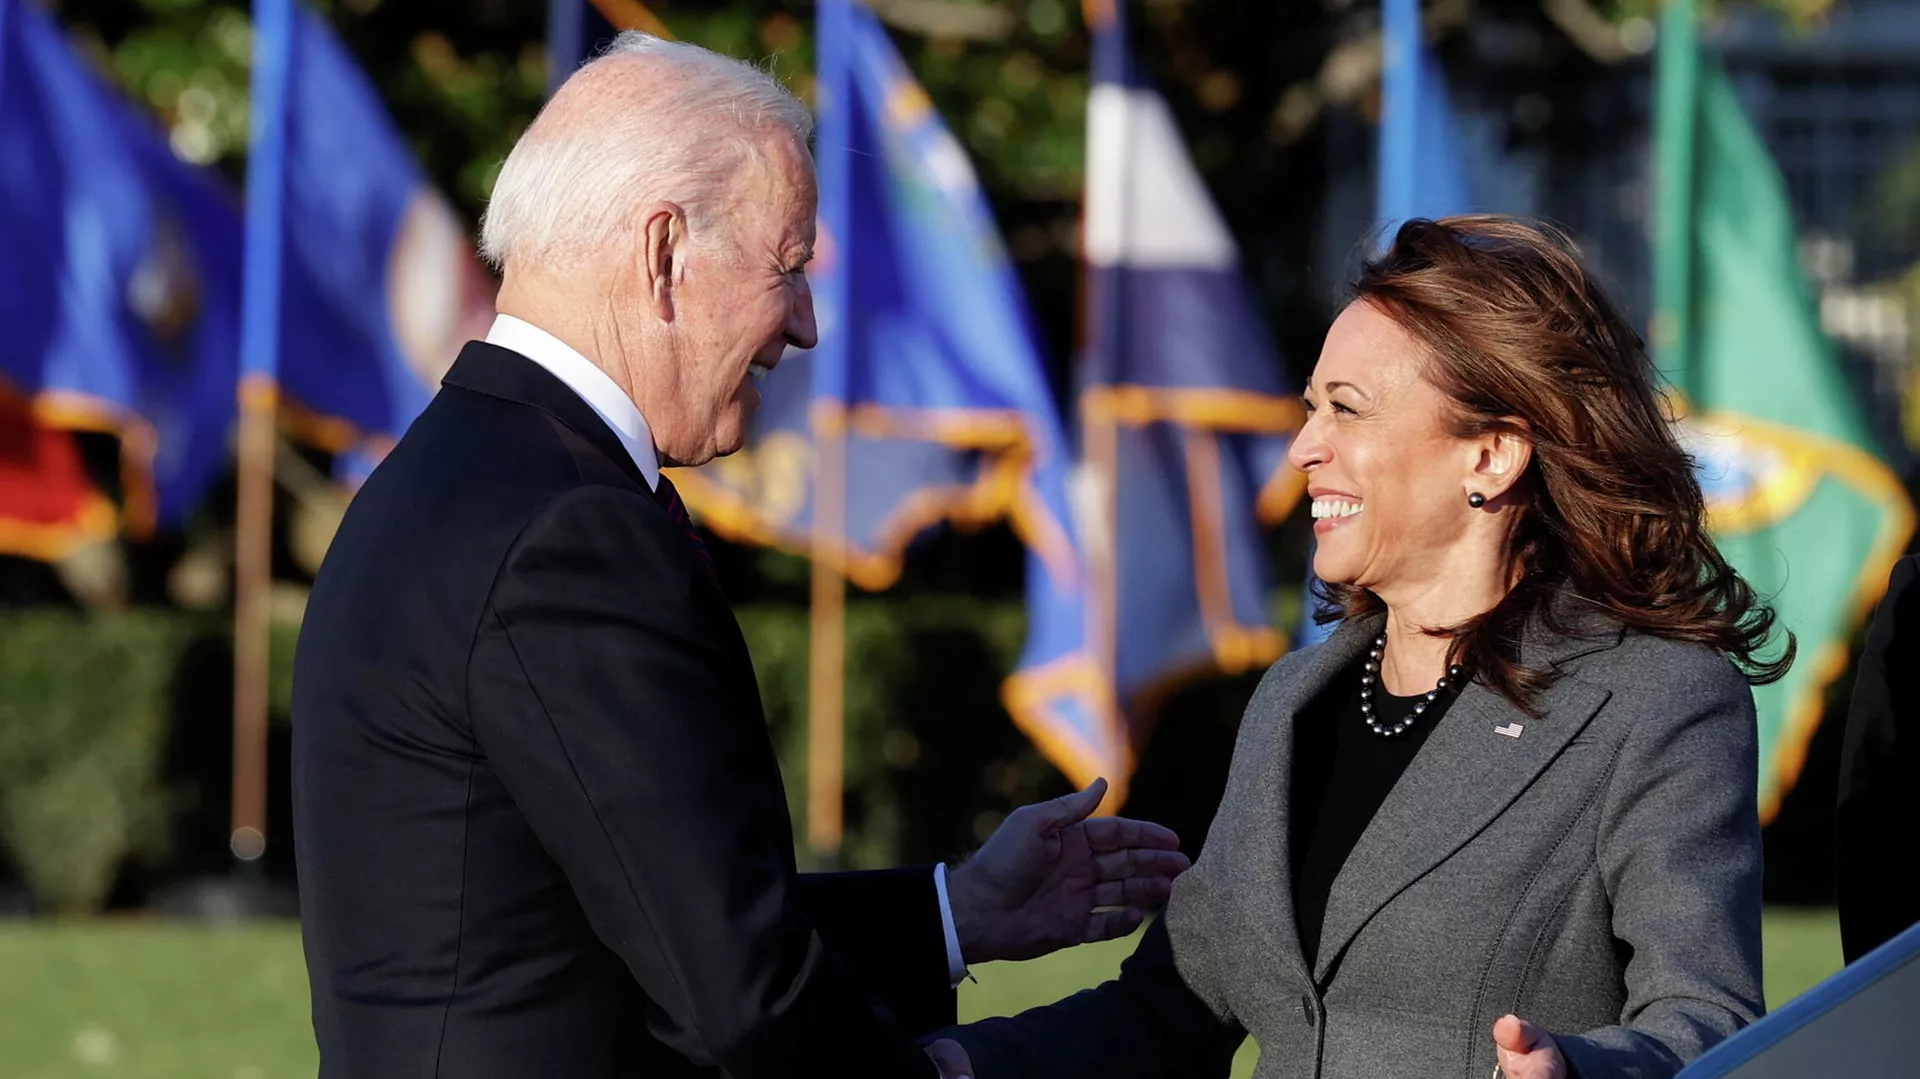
<point>114,735</point>
<point>115,745</point>
<point>83,710</point>
<point>931,757</point>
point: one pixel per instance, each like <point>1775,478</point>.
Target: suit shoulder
<point>1905,569</point>
<point>1656,673</point>
<point>1901,602</point>
<point>1663,660</point>
<point>1289,663</point>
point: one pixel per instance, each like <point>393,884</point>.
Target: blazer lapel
<point>1464,777</point>
<point>1267,831</point>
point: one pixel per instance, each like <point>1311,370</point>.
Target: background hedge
<point>115,740</point>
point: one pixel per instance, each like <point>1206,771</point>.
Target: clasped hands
<point>1052,876</point>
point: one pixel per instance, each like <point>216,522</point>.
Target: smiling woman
<point>1480,363</point>
<point>1520,778</point>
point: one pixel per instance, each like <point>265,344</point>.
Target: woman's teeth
<point>758,372</point>
<point>1334,507</point>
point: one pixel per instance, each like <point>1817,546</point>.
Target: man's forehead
<point>779,197</point>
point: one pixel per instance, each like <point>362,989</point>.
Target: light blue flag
<point>1422,168</point>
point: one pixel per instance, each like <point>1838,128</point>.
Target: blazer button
<point>1307,1009</point>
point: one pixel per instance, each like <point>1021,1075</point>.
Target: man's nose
<point>802,332</point>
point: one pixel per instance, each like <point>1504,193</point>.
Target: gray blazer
<point>1599,875</point>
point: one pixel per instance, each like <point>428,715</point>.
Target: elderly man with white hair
<point>539,822</point>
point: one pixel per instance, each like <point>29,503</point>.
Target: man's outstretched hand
<point>950,1059</point>
<point>1049,878</point>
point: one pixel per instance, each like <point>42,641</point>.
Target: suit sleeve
<point>1679,850</point>
<point>1146,1024</point>
<point>599,690</point>
<point>887,924</point>
<point>1880,777</point>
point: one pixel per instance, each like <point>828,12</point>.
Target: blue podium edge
<point>1771,1030</point>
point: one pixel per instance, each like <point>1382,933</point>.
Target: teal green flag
<point>1798,500</point>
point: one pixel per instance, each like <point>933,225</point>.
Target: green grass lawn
<point>158,1000</point>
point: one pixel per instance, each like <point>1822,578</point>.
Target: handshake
<point>1053,876</point>
<point>1050,878</point>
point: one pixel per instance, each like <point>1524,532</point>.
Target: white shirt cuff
<point>956,964</point>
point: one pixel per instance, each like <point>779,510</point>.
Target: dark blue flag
<point>929,369</point>
<point>1185,410</point>
<point>119,272</point>
<point>379,284</point>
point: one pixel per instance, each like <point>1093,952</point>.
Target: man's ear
<point>663,251</point>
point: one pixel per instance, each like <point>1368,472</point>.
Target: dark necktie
<point>676,509</point>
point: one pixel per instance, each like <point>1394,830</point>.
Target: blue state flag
<point>929,373</point>
<point>380,285</point>
<point>1422,168</point>
<point>119,273</point>
<point>1185,411</point>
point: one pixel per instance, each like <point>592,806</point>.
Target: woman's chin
<point>1332,574</point>
<point>1332,562</point>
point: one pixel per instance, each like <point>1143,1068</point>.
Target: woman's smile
<point>1333,510</point>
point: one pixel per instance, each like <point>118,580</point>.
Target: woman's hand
<point>1527,1052</point>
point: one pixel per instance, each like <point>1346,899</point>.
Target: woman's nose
<point>1309,450</point>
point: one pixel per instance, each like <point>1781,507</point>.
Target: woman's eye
<point>1338,407</point>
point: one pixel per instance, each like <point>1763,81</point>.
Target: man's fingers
<point>1133,892</point>
<point>1069,809</point>
<point>1108,924</point>
<point>1117,833</point>
<point>951,1058</point>
<point>1122,864</point>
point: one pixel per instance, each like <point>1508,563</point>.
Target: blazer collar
<point>1270,895</point>
<point>507,375</point>
<point>1462,778</point>
<point>1467,773</point>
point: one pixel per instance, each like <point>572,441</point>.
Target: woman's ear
<point>1504,456</point>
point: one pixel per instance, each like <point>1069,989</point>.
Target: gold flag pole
<point>253,580</point>
<point>632,15</point>
<point>827,640</point>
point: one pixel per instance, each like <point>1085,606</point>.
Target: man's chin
<point>731,433</point>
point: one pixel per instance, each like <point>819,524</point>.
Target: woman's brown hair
<point>1521,339</point>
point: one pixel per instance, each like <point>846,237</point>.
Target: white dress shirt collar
<point>586,379</point>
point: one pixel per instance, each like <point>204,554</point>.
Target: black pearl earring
<point>1476,500</point>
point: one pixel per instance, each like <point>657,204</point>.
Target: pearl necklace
<point>1366,693</point>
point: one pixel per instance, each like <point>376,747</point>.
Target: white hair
<point>647,119</point>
